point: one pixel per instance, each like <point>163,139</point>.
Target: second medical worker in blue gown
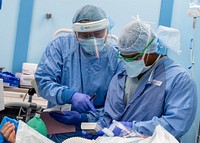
<point>153,89</point>
<point>79,65</point>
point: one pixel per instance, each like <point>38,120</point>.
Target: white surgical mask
<point>134,68</point>
<point>92,46</point>
<point>138,67</point>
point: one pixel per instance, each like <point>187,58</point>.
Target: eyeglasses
<point>135,57</point>
<point>96,34</point>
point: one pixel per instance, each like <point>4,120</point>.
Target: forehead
<point>93,32</point>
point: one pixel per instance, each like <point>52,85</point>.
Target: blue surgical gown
<point>168,98</point>
<point>65,68</point>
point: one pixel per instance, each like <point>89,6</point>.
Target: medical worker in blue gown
<point>76,66</point>
<point>152,89</point>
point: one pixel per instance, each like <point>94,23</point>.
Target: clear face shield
<point>92,42</point>
<point>92,36</point>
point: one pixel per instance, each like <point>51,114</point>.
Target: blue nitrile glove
<point>81,102</point>
<point>92,137</point>
<point>69,117</point>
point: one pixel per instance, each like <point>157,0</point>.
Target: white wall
<point>8,26</point>
<point>63,11</point>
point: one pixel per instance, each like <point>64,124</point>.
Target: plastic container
<point>29,68</point>
<point>9,79</point>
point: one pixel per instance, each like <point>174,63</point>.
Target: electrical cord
<point>31,92</point>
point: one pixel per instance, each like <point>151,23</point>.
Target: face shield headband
<point>91,26</point>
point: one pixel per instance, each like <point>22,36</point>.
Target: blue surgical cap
<point>89,12</point>
<point>135,37</point>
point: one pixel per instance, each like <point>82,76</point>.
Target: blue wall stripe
<point>0,4</point>
<point>22,34</point>
<point>166,12</point>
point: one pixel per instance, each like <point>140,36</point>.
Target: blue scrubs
<point>168,98</point>
<point>65,68</point>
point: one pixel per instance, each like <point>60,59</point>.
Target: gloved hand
<point>92,137</point>
<point>68,117</point>
<point>81,103</point>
